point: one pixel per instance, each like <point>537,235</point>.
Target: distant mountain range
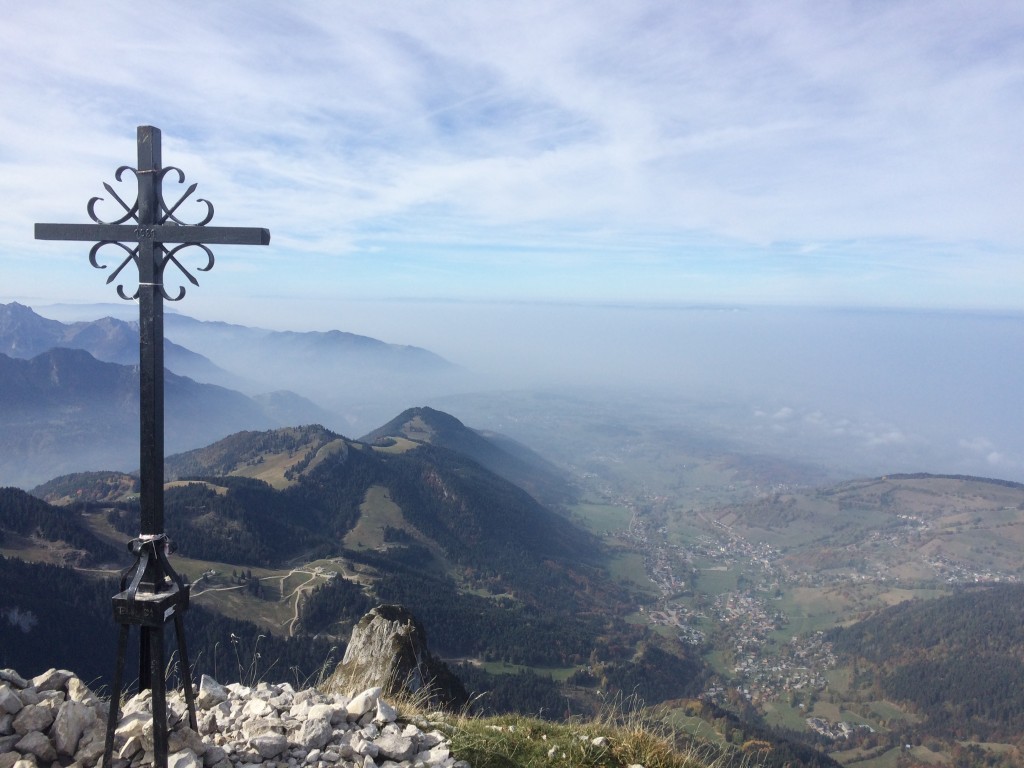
<point>25,334</point>
<point>298,361</point>
<point>64,410</point>
<point>69,392</point>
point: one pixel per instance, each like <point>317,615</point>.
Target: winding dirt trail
<point>297,594</point>
<point>218,589</point>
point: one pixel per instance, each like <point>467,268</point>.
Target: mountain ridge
<point>440,492</point>
<point>498,453</point>
<point>956,659</point>
<point>26,334</point>
<point>475,549</point>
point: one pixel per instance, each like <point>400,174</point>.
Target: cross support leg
<point>115,696</point>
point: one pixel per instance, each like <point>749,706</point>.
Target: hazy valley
<point>711,554</point>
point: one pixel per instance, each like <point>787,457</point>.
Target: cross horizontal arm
<point>158,233</point>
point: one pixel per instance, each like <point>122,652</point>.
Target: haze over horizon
<point>861,391</point>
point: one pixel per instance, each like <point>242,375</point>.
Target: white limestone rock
<point>240,727</point>
<point>207,722</point>
<point>132,747</point>
<point>282,700</point>
<point>90,746</point>
<point>239,691</point>
<point>385,713</point>
<point>214,755</point>
<point>68,726</point>
<point>52,680</point>
<point>186,758</point>
<point>257,708</point>
<point>360,746</point>
<point>269,745</point>
<point>394,746</point>
<point>431,739</point>
<point>185,739</point>
<point>316,733</point>
<point>34,717</point>
<point>12,677</point>
<point>10,701</point>
<point>211,693</point>
<point>436,755</point>
<point>140,702</point>
<point>363,703</point>
<point>261,726</point>
<point>310,695</point>
<point>80,692</point>
<point>37,744</point>
<point>332,714</point>
<point>137,724</point>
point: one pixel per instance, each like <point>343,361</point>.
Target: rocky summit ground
<point>55,720</point>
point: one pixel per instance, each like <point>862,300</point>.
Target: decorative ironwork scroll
<point>166,215</point>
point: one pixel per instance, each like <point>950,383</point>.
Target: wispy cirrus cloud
<point>848,152</point>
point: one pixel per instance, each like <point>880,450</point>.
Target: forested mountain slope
<point>957,660</point>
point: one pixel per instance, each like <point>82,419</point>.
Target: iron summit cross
<point>150,224</point>
<point>152,593</point>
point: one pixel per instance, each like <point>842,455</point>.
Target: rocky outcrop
<point>388,650</point>
<point>54,719</point>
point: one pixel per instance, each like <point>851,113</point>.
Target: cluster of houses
<point>835,731</point>
<point>953,572</point>
<point>762,671</point>
<point>766,671</point>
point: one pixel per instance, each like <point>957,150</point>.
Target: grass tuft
<point>624,736</point>
<point>515,741</point>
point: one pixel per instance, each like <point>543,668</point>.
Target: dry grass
<point>522,742</point>
<point>624,736</point>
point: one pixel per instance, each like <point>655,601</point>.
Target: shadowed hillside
<point>65,411</point>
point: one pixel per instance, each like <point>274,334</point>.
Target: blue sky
<point>837,154</point>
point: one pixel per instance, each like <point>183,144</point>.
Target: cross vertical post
<point>152,594</point>
<point>151,351</point>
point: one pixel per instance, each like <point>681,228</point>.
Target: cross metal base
<point>151,611</point>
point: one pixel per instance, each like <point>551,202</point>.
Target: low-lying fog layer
<point>865,391</point>
<point>873,390</point>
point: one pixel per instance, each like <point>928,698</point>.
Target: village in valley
<point>762,668</point>
<point>724,594</point>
